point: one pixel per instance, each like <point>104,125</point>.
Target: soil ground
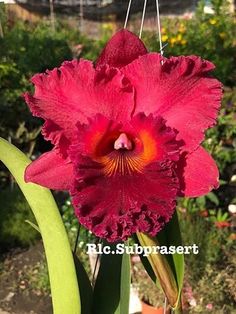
<point>17,296</point>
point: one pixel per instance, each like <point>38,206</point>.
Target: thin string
<point>143,16</point>
<point>159,28</point>
<point>127,14</point>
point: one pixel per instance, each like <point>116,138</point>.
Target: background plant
<point>211,36</point>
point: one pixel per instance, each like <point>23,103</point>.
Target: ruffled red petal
<point>50,170</point>
<point>76,91</point>
<point>159,141</point>
<point>118,193</point>
<point>198,173</point>
<point>180,90</point>
<point>52,132</point>
<point>121,49</point>
<point>116,207</point>
<point>59,94</point>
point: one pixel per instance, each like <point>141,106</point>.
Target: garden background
<point>29,47</point>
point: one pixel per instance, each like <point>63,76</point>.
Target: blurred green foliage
<point>34,50</point>
<point>24,51</point>
<point>72,226</point>
<point>210,275</point>
<point>27,49</point>
<point>14,230</point>
<point>211,36</point>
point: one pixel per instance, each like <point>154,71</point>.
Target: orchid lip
<point>123,142</point>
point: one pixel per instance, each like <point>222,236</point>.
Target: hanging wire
<point>127,13</point>
<point>142,23</point>
<point>159,27</point>
<point>143,16</point>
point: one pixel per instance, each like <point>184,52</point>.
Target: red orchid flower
<point>126,135</point>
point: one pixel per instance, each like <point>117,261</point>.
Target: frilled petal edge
<point>180,90</point>
<point>198,173</point>
<point>73,93</point>
<point>50,170</point>
<point>116,207</point>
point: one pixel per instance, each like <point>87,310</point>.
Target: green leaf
<point>63,281</point>
<point>86,291</point>
<point>161,268</point>
<point>168,269</point>
<point>213,198</point>
<point>147,265</point>
<point>125,285</point>
<point>201,202</point>
<point>223,182</point>
<point>173,237</point>
<point>224,216</point>
<point>33,225</point>
<point>112,287</point>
